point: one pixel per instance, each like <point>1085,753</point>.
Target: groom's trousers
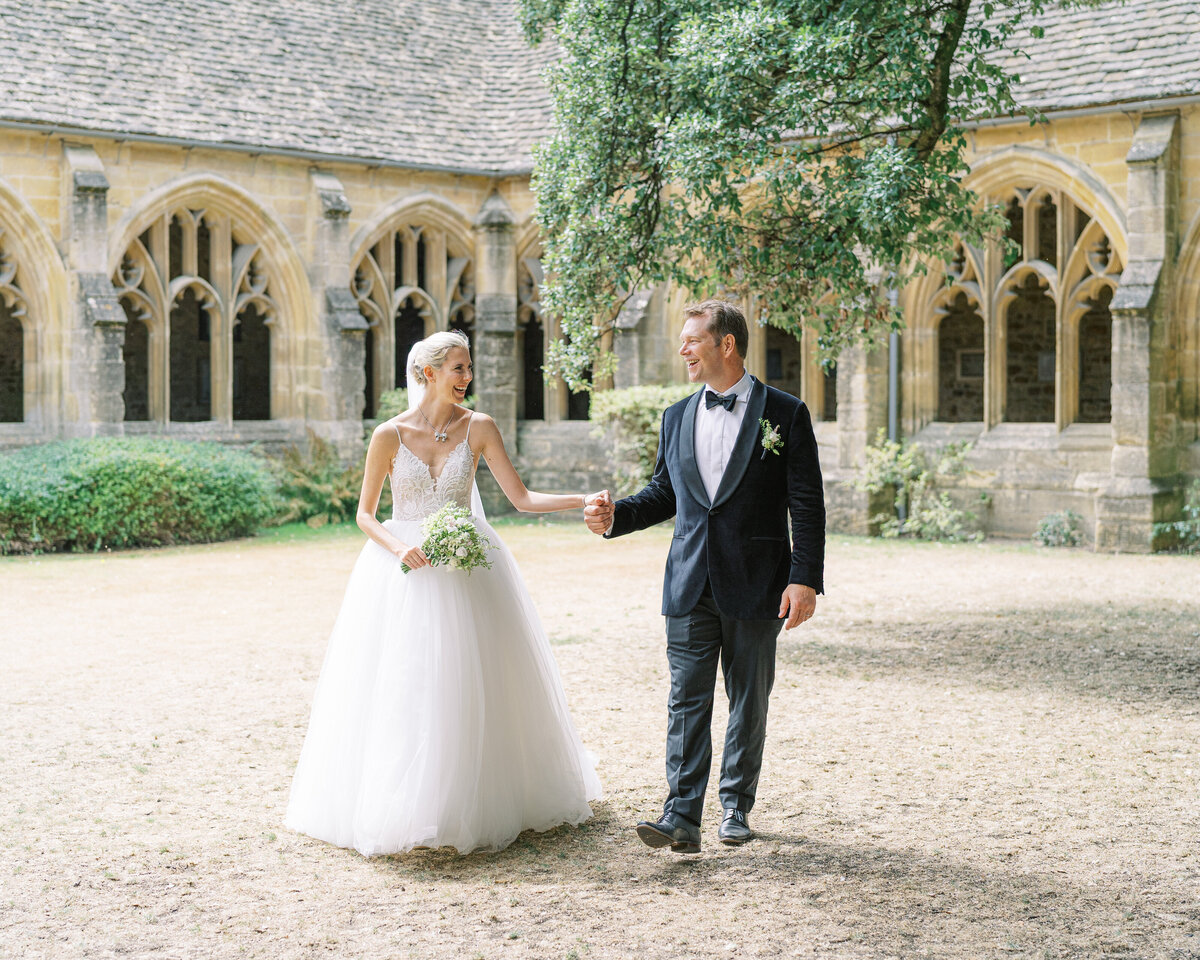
<point>745,650</point>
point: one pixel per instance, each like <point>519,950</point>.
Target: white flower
<point>772,440</point>
<point>460,552</point>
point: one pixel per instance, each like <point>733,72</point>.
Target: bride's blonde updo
<point>431,352</point>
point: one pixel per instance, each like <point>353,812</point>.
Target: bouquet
<point>451,540</point>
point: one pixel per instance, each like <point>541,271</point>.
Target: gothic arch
<point>529,239</point>
<point>412,272</point>
<point>262,270</point>
<point>995,172</point>
<point>1067,244</point>
<point>537,398</point>
<point>33,290</point>
<point>422,208</point>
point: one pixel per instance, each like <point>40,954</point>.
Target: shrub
<point>635,416</point>
<point>912,475</point>
<point>1184,532</point>
<point>112,492</point>
<point>315,486</point>
<point>1062,528</point>
<point>391,403</point>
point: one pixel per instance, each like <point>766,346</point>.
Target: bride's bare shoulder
<point>386,432</point>
<point>482,424</point>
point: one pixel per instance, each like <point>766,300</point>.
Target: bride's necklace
<point>438,435</point>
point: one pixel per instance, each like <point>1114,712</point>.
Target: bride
<point>439,717</point>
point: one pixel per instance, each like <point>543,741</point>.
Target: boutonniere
<point>771,439</point>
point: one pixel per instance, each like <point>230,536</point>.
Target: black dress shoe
<point>682,837</point>
<point>734,829</point>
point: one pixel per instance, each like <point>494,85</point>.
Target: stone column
<point>1142,488</point>
<point>337,412</point>
<point>630,329</point>
<point>96,368</point>
<point>497,367</point>
<point>861,413</point>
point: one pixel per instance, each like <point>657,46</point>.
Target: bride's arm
<point>384,446</point>
<point>491,448</point>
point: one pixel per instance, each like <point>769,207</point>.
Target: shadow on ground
<point>1134,655</point>
<point>891,900</point>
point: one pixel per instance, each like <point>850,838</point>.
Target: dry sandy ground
<point>974,752</point>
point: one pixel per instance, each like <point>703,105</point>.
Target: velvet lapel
<point>687,450</point>
<point>745,445</point>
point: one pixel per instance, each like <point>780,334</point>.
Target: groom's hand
<point>598,512</point>
<point>798,603</point>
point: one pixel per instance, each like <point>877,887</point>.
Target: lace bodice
<point>416,493</point>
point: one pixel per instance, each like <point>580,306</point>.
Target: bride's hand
<point>412,557</point>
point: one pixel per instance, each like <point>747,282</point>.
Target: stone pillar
<point>861,413</point>
<point>1143,488</point>
<point>630,329</point>
<point>497,367</point>
<point>337,413</point>
<point>96,368</point>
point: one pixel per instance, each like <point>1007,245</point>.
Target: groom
<point>735,460</point>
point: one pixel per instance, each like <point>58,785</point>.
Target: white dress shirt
<point>716,431</point>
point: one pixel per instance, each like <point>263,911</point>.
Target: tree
<point>798,150</point>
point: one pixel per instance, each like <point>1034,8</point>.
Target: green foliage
<point>1184,533</point>
<point>634,415</point>
<point>912,475</point>
<point>391,403</point>
<point>90,494</point>
<point>316,487</point>
<point>791,149</point>
<point>1063,528</point>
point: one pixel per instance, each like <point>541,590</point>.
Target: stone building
<point>229,221</point>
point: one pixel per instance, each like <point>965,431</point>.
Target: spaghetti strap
<point>470,420</point>
<point>397,429</point>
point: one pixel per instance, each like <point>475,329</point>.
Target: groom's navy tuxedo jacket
<point>739,542</point>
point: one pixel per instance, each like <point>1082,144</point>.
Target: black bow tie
<point>716,400</point>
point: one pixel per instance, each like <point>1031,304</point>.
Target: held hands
<point>412,557</point>
<point>598,512</point>
<point>798,603</point>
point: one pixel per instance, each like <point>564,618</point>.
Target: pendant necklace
<point>439,436</point>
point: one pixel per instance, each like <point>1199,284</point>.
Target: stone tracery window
<point>793,364</point>
<point>531,336</point>
<point>196,292</point>
<point>1021,332</point>
<point>416,279</point>
<point>540,398</point>
<point>13,316</point>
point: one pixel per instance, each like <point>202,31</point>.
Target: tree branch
<point>937,102</point>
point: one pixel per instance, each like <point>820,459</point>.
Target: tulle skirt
<point>439,718</point>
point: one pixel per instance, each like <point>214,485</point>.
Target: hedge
<point>633,417</point>
<point>110,492</point>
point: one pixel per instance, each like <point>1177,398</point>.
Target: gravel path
<point>974,752</point>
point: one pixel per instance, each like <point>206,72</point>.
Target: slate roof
<point>441,83</point>
<point>446,83</point>
<point>1113,53</point>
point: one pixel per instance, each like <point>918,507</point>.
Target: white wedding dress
<point>439,717</point>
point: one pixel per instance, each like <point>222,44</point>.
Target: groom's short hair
<point>724,318</point>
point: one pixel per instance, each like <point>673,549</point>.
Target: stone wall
<point>1120,420</point>
<point>83,205</point>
